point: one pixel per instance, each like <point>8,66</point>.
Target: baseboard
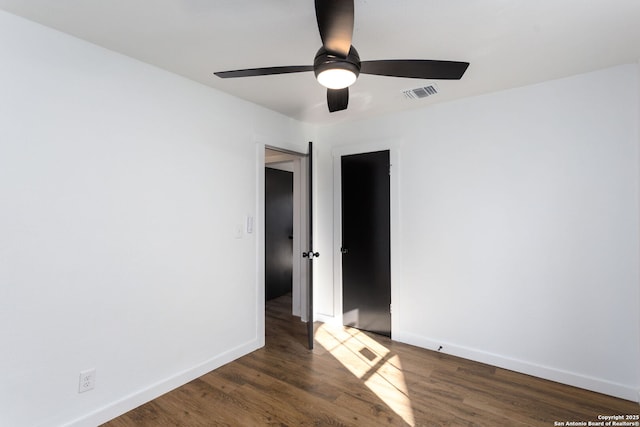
<point>145,395</point>
<point>565,377</point>
<point>330,320</point>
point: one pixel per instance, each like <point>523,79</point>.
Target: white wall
<point>518,224</point>
<point>121,187</point>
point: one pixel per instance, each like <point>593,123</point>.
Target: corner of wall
<point>638,189</point>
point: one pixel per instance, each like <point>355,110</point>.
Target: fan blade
<point>250,72</point>
<point>337,99</point>
<point>415,68</point>
<point>335,22</point>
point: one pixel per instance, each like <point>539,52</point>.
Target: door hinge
<point>390,169</point>
<point>390,308</point>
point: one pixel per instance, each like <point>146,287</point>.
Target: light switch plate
<point>249,224</point>
<point>239,233</point>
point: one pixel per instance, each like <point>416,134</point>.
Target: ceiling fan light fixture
<point>336,78</point>
<point>334,72</point>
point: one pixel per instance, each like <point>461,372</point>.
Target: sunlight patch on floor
<point>371,362</point>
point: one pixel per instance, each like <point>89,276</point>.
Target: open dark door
<point>310,254</point>
<point>278,232</point>
<point>366,242</point>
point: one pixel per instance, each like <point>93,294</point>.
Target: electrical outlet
<point>87,380</point>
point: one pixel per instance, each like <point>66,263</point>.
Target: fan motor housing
<point>327,61</point>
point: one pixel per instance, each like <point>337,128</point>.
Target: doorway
<point>282,162</point>
<point>366,241</point>
<point>303,253</point>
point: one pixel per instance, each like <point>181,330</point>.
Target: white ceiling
<point>509,43</point>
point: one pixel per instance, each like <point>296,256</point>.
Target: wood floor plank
<point>353,378</point>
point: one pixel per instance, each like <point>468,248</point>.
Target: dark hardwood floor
<point>359,379</point>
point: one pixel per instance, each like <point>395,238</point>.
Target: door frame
<point>394,201</point>
<point>299,149</point>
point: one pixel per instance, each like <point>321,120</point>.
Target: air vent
<point>421,92</point>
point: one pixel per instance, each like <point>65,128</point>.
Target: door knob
<point>310,254</point>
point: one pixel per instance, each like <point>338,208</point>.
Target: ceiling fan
<point>337,63</point>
